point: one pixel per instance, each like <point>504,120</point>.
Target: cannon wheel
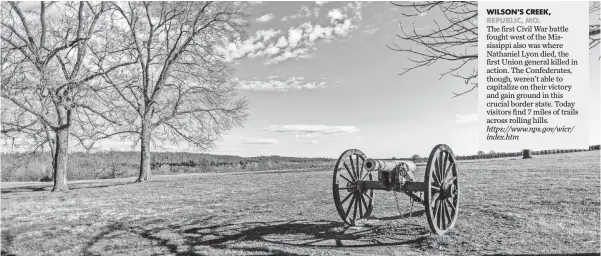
<point>442,191</point>
<point>348,198</point>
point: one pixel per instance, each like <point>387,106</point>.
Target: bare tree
<point>181,89</point>
<point>452,39</point>
<point>23,132</point>
<point>49,79</point>
<point>594,29</point>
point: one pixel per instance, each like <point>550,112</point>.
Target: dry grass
<point>545,205</point>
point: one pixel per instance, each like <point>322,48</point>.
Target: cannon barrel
<point>387,165</point>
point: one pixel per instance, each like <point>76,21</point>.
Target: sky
<point>320,79</point>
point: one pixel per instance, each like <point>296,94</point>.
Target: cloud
<point>311,142</point>
<point>265,34</point>
<point>335,14</point>
<point>53,11</point>
<point>282,42</point>
<point>274,84</point>
<point>304,12</point>
<point>115,144</point>
<point>265,18</point>
<point>320,32</point>
<point>356,9</point>
<point>421,14</point>
<point>320,3</point>
<point>256,2</point>
<point>261,141</point>
<point>297,41</point>
<point>344,29</point>
<point>371,31</point>
<point>294,36</point>
<point>253,46</point>
<point>290,54</point>
<point>301,40</point>
<point>308,130</point>
<point>272,50</point>
<point>466,118</point>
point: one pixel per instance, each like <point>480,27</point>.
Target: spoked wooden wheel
<point>351,201</point>
<point>442,189</point>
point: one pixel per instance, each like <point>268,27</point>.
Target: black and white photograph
<point>299,128</point>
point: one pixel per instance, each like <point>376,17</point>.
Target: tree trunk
<point>60,160</point>
<point>145,174</point>
<point>52,146</point>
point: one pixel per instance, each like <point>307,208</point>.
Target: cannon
<point>356,177</point>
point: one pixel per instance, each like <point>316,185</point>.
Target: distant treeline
<point>120,164</point>
<point>492,154</point>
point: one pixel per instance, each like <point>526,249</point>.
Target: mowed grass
<point>545,205</point>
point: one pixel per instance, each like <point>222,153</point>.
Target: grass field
<point>545,205</point>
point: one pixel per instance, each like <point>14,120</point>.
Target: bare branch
<point>453,41</point>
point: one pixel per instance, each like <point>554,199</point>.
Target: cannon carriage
<point>356,178</point>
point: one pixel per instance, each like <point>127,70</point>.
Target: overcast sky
<point>319,80</point>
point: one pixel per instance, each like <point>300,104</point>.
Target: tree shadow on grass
<point>37,188</point>
<point>333,234</point>
<point>105,232</point>
<point>5,253</point>
<point>198,238</point>
<point>48,187</point>
<point>400,217</point>
<point>308,234</point>
<point>97,185</point>
<point>7,240</point>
